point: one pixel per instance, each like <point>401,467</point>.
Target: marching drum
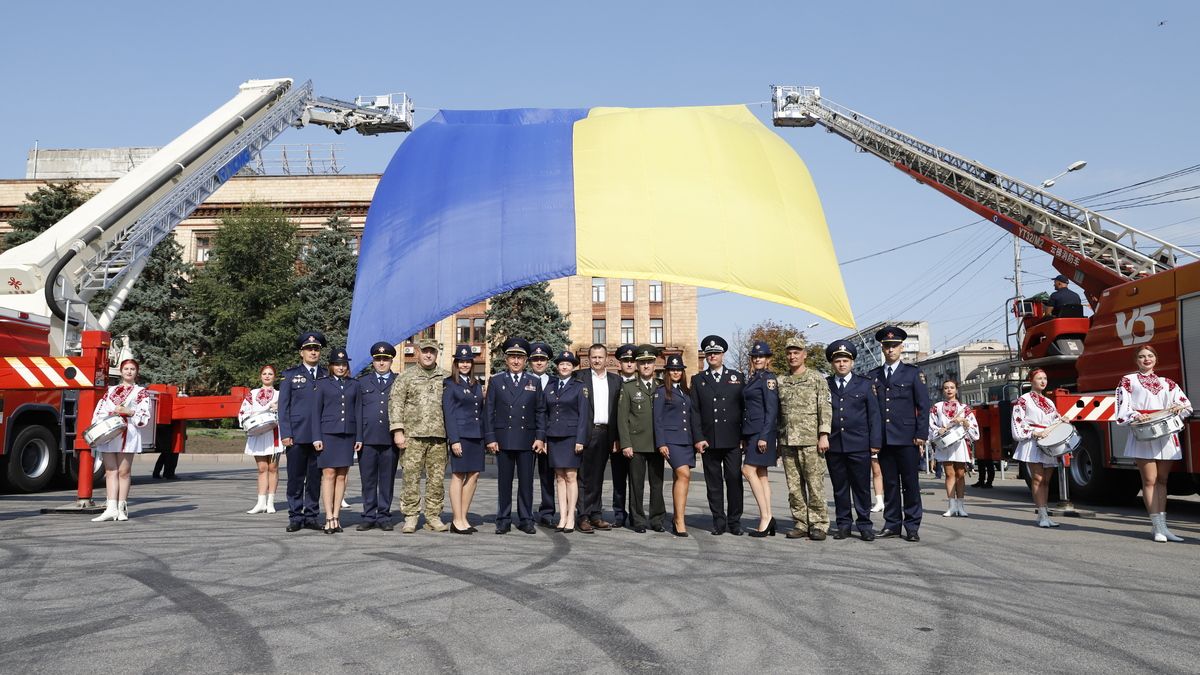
<point>104,430</point>
<point>260,423</point>
<point>1059,440</point>
<point>1156,425</point>
<point>949,438</point>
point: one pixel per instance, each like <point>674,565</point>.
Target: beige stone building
<point>611,311</point>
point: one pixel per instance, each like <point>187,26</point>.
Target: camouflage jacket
<point>804,408</point>
<point>415,406</point>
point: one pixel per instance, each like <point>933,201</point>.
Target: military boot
<point>435,524</point>
<point>410,525</point>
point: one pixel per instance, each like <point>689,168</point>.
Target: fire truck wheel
<point>32,460</point>
<point>1092,481</point>
<point>71,477</point>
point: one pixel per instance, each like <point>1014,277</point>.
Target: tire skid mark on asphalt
<point>56,637</point>
<point>560,547</point>
<point>230,631</point>
<point>610,637</point>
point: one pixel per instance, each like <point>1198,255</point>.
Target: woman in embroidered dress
<point>954,458</point>
<point>1139,395</point>
<point>132,403</point>
<point>265,447</point>
<point>1031,415</point>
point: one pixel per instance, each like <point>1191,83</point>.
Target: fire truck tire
<point>71,478</point>
<point>1093,482</point>
<point>32,460</point>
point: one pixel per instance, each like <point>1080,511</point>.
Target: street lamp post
<point>1049,182</point>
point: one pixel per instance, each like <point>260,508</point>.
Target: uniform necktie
<point>841,385</point>
<point>382,380</point>
<point>562,384</point>
<point>312,373</point>
<point>887,373</point>
<point>514,377</point>
<point>716,375</point>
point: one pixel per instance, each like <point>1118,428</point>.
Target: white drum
<point>103,431</point>
<point>1059,440</point>
<point>260,423</point>
<point>949,438</point>
<point>1156,425</point>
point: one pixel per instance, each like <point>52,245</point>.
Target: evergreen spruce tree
<point>43,208</point>
<point>327,286</point>
<point>528,312</point>
<point>245,298</point>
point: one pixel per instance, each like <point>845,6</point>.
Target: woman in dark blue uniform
<point>339,434</point>
<point>760,401</point>
<point>568,416</point>
<point>676,435</point>
<point>462,409</point>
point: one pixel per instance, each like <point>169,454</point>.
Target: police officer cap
<point>714,344</point>
<point>890,334</point>
<point>1062,278</point>
<point>339,357</point>
<point>796,343</point>
<point>841,348</point>
<point>428,343</point>
<point>760,348</point>
<point>516,345</point>
<point>310,338</point>
<point>625,352</point>
<point>539,350</point>
<point>383,349</point>
<point>567,355</point>
<point>674,362</point>
<point>463,353</point>
<point>645,353</point>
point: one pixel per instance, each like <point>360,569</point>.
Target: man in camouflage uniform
<point>804,414</point>
<point>415,412</point>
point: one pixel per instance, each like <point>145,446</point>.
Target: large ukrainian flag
<point>478,202</point>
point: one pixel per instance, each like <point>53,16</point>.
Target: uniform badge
<point>638,396</point>
<point>921,375</point>
<point>530,387</point>
<point>770,384</point>
<point>656,394</point>
<point>733,379</point>
<point>874,391</point>
<point>585,392</point>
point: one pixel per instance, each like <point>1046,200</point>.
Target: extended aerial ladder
<point>1093,250</point>
<point>106,243</point>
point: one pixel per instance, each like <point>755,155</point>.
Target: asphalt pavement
<point>191,583</point>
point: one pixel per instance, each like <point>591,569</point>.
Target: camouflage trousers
<point>426,454</point>
<point>804,468</point>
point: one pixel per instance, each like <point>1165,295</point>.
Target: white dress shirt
<point>599,398</point>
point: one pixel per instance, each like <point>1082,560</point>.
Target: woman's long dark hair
<point>669,386</point>
<point>471,379</point>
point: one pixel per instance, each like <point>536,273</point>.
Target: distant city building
<point>916,346</point>
<point>964,362</point>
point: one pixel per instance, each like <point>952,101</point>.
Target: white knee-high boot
<point>962,508</point>
<point>270,503</point>
<point>1162,527</point>
<point>122,510</point>
<point>878,504</point>
<point>1156,529</point>
<point>953,510</point>
<point>110,512</point>
<point>260,506</point>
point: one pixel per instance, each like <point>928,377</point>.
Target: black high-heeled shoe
<point>328,526</point>
<point>678,533</point>
<point>768,532</point>
<point>456,530</point>
<point>337,525</point>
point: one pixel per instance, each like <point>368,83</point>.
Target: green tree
<point>245,298</point>
<point>528,312</point>
<point>776,335</point>
<point>157,317</point>
<point>327,285</point>
<point>43,208</point>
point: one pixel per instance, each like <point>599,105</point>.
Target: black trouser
<point>303,483</point>
<point>591,472</point>
<point>723,469</point>
<point>520,462</point>
<point>987,471</point>
<point>641,466</point>
<point>377,473</point>
<point>901,467</point>
<point>546,480</point>
<point>620,483</point>
<point>165,466</point>
<point>850,473</point>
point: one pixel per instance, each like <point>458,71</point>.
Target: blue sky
<point>1024,87</point>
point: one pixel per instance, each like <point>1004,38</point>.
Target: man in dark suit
<point>604,388</point>
<point>618,462</point>
<point>718,394</point>
<point>298,430</point>
<point>513,430</point>
<point>904,404</point>
<point>377,460</point>
<point>854,438</point>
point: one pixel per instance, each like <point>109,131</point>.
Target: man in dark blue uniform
<point>377,460</point>
<point>298,430</point>
<point>627,362</point>
<point>855,437</point>
<point>514,430</point>
<point>718,394</point>
<point>1064,302</point>
<point>904,405</point>
<point>539,364</point>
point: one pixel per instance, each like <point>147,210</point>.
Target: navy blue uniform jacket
<point>720,407</point>
<point>903,404</point>
<point>336,406</point>
<point>297,392</point>
<point>515,415</point>
<point>568,413</point>
<point>675,419</point>
<point>462,409</point>
<point>855,425</point>
<point>373,414</point>
<point>760,415</point>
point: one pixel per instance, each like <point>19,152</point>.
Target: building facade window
<point>599,331</point>
<point>427,334</point>
<point>627,293</point>
<point>627,331</point>
<point>597,289</point>
<point>480,330</point>
<point>203,249</point>
<point>464,330</point>
<point>656,331</point>
<point>656,291</point>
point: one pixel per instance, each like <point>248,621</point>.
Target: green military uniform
<point>415,408</point>
<point>635,427</point>
<point>804,414</point>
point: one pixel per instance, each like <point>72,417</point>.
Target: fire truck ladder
<point>1099,252</point>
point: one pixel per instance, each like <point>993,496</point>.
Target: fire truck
<point>56,359</point>
<point>1142,290</point>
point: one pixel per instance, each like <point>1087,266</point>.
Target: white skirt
<point>1165,448</point>
<point>955,453</point>
<point>1028,451</point>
